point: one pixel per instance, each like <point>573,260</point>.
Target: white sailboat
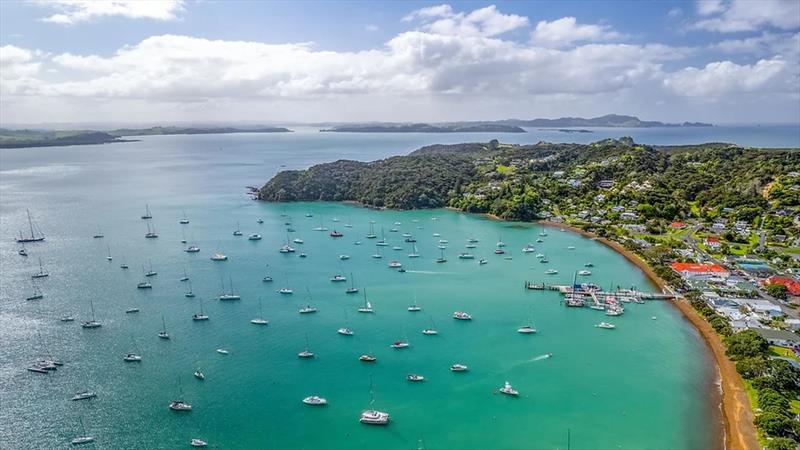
<point>307,353</point>
<point>352,289</point>
<point>147,214</point>
<point>184,221</point>
<point>260,319</point>
<point>163,333</point>
<point>372,416</point>
<point>83,438</point>
<point>228,295</point>
<point>201,315</point>
<point>91,323</point>
<point>36,234</point>
<point>367,308</point>
<point>41,273</point>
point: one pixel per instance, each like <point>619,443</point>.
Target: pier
<point>595,293</point>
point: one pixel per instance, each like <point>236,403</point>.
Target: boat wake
<point>541,357</point>
<point>430,272</point>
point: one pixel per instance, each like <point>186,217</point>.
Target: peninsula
<point>57,138</point>
<point>425,128</point>
<point>716,224</point>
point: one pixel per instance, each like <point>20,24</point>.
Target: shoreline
<point>737,413</point>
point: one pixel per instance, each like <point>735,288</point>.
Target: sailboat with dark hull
<point>36,234</point>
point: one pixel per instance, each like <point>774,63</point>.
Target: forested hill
<point>527,182</point>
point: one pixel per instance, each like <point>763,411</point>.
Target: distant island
<point>57,138</point>
<point>564,125</point>
<point>465,127</point>
<point>568,130</point>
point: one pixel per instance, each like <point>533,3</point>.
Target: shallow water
<point>645,384</point>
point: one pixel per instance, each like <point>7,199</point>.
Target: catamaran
<point>91,323</point>
<point>228,295</point>
<point>163,333</point>
<point>371,234</point>
<point>219,256</point>
<point>192,249</point>
<point>338,278</point>
<point>151,231</point>
<point>151,272</point>
<point>185,277</point>
<point>201,315</point>
<point>372,416</point>
<point>260,320</point>
<point>414,307</point>
<point>367,358</point>
<point>394,264</point>
<point>254,237</point>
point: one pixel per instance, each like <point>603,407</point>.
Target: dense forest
<point>528,182</point>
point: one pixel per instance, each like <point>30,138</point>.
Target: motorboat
<point>584,272</point>
<point>458,368</point>
<point>344,257</point>
<point>550,272</point>
<point>315,401</point>
<point>499,251</point>
<point>67,319</point>
<point>508,390</point>
<point>199,317</point>
<point>285,291</point>
<point>459,315</point>
<point>367,358</point>
<point>286,248</point>
<point>588,264</point>
<point>528,249</point>
<point>82,440</point>
<point>131,357</point>
<point>430,332</point>
<point>414,377</point>
<point>303,255</point>
<point>306,354</point>
<point>526,329</point>
<point>400,344</point>
<point>297,241</point>
<point>180,405</point>
<point>482,262</point>
<point>606,325</point>
<point>198,443</point>
<point>466,255</point>
<point>308,309</point>
<point>222,351</point>
<point>336,234</point>
<point>345,331</point>
<point>192,249</point>
<point>338,278</point>
<point>395,264</point>
<point>83,395</point>
<point>254,237</point>
<point>372,417</point>
<point>259,321</point>
<point>414,308</point>
<point>218,256</point>
<point>199,375</point>
<point>131,310</point>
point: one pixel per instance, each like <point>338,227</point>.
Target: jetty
<point>593,291</point>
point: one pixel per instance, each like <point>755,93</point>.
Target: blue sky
<point>176,61</point>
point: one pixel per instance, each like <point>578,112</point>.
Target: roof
<point>712,239</point>
<point>769,333</point>
<point>698,268</point>
<point>792,285</point>
<point>677,225</point>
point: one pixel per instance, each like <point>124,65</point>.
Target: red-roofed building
<point>713,242</point>
<point>695,270</point>
<point>792,285</point>
<point>677,225</point>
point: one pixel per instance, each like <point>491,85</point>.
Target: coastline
<point>737,413</point>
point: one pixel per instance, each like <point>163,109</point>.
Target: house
<point>628,216</point>
<point>792,324</point>
<point>713,242</point>
<point>781,338</point>
<point>605,184</point>
<point>618,208</point>
<point>635,227</point>
<point>792,285</point>
<point>718,226</point>
<point>558,173</point>
<point>677,225</point>
<point>574,183</point>
<point>700,271</point>
<point>745,324</point>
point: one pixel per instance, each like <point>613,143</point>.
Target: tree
<point>750,368</point>
<point>782,443</point>
<point>777,290</point>
<point>774,424</point>
<point>785,378</point>
<point>770,400</point>
<point>746,344</point>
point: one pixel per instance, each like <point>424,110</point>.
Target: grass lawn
<point>783,352</point>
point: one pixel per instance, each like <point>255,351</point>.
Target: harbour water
<point>648,383</point>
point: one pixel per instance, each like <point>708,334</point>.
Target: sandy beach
<point>737,413</point>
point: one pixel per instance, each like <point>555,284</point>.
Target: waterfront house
<point>628,216</point>
<point>781,338</point>
<point>696,271</point>
<point>792,285</point>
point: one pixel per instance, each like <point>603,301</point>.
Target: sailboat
<point>414,307</point>
<point>372,416</point>
<point>345,331</point>
<point>147,215</point>
<point>308,309</point>
<point>37,293</point>
<point>132,356</point>
<point>348,224</point>
<point>22,251</point>
<point>91,323</point>
<point>306,353</point>
<point>180,405</point>
<point>189,293</point>
<point>367,308</point>
<point>124,264</point>
<point>260,320</point>
<point>83,438</point>
<point>185,277</point>
<point>377,254</point>
<point>108,257</point>
<point>352,289</point>
<point>151,231</point>
<point>99,234</point>
<point>184,221</point>
<point>413,253</point>
<point>441,258</point>
<point>237,231</point>
<point>151,272</point>
<point>183,235</point>
<point>382,242</point>
<point>201,316</point>
<point>228,295</point>
<point>163,333</point>
<point>432,330</point>
<point>371,234</point>
<point>41,273</point>
<point>36,234</point>
<point>527,329</point>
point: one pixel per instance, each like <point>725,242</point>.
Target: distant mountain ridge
<point>460,127</point>
<point>608,121</point>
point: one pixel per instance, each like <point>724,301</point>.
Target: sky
<point>179,61</point>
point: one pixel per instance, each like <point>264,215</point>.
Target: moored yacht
<point>91,323</point>
<point>606,325</point>
<point>308,309</point>
<point>199,375</point>
<point>429,332</point>
<point>180,405</point>
<point>414,377</point>
<point>400,344</point>
<point>584,272</point>
<point>526,329</point>
<point>508,390</point>
<point>344,331</point>
<point>395,264</point>
<point>367,358</point>
<point>198,443</point>
<point>254,237</point>
<point>219,256</point>
<point>83,395</point>
<point>314,400</point>
<point>131,357</point>
<point>459,315</point>
<point>458,368</point>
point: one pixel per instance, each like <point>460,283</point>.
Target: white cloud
<point>674,13</point>
<point>371,27</point>
<point>708,7</point>
<point>71,12</point>
<point>749,15</point>
<point>486,21</point>
<point>18,70</point>
<point>566,31</point>
<point>765,44</point>
<point>725,77</point>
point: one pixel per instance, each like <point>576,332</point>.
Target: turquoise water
<point>646,384</point>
